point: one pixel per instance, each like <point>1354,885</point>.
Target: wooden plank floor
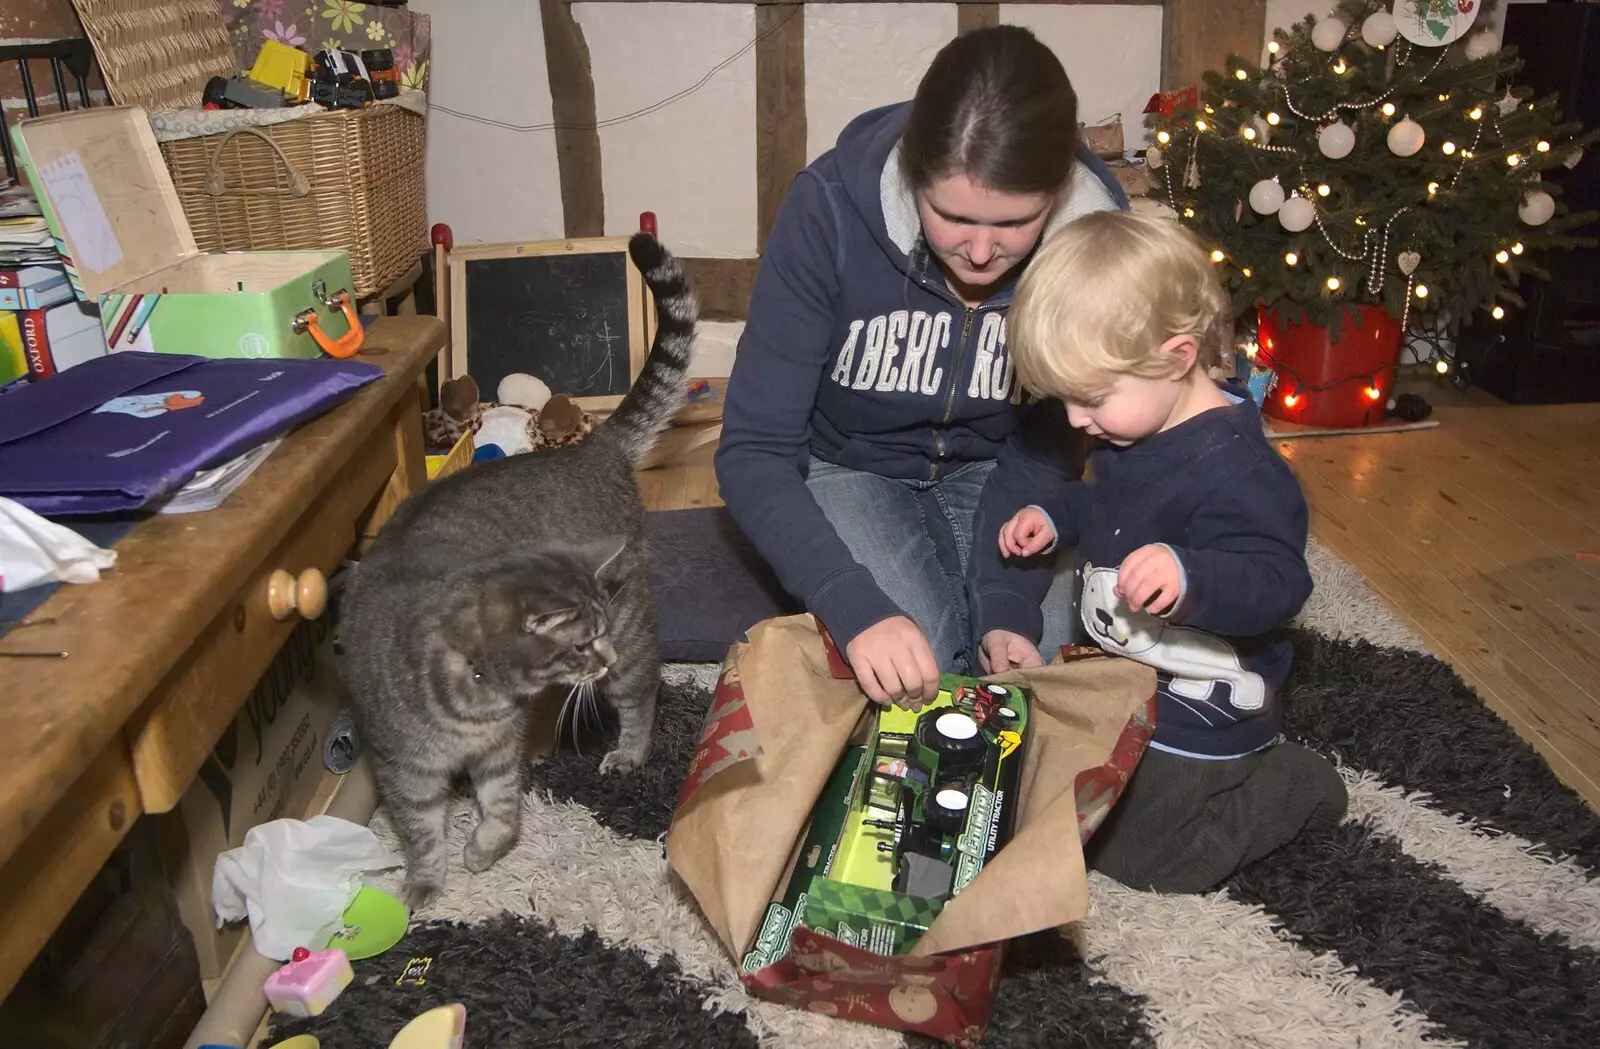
<point>1482,534</point>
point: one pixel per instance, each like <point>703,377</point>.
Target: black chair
<point>76,56</point>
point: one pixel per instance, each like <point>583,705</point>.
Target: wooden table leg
<point>59,860</point>
<point>411,469</point>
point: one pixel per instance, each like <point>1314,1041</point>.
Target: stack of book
<point>44,327</point>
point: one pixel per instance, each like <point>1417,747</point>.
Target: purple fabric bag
<point>116,432</point>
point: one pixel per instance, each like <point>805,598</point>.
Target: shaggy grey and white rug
<point>1457,905</point>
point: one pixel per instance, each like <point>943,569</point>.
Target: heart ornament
<point>1408,261</point>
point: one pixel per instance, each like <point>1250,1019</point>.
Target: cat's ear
<point>604,555</point>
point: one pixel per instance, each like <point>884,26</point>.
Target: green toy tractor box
<point>906,821</point>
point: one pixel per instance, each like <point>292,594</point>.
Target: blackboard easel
<point>574,312</point>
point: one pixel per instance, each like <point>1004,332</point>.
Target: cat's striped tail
<point>658,393</point>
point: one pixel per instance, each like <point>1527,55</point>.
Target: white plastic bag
<point>294,879</point>
<point>35,551</point>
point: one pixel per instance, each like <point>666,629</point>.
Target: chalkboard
<point>570,312</point>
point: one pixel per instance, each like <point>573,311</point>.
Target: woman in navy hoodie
<point>873,424</point>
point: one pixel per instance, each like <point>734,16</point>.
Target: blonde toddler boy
<point>1190,540</point>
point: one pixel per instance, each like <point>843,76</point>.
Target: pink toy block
<point>310,982</point>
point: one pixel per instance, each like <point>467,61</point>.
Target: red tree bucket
<point>1337,383</point>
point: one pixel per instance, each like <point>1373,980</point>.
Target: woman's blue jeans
<point>915,537</point>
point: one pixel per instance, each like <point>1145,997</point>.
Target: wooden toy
<point>310,982</point>
<point>441,1028</point>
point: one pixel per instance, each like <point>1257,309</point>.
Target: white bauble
<point>1266,197</point>
<point>1296,214</point>
<point>1336,140</point>
<point>1328,34</point>
<point>1379,29</point>
<point>523,390</point>
<point>1536,208</point>
<point>1406,137</point>
<point>1153,158</point>
<point>1481,45</point>
<point>1263,129</point>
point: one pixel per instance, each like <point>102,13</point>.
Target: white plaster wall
<point>861,56</point>
<point>693,161</point>
<point>1111,53</point>
<point>714,346</point>
<point>489,183</point>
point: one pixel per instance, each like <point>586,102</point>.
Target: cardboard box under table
<point>784,711</point>
<point>269,763</point>
<point>109,200</point>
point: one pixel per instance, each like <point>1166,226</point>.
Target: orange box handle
<point>349,344</point>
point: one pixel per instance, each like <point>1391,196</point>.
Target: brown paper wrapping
<point>779,725</point>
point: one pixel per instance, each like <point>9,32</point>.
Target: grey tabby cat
<point>496,583</point>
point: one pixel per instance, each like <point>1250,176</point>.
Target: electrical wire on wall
<point>624,118</point>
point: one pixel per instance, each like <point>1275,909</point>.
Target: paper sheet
<point>82,216</point>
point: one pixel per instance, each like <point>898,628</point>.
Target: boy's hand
<point>1150,579</point>
<point>1027,533</point>
<point>893,663</point>
<point>1002,651</point>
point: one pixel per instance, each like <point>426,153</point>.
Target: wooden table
<point>164,649</point>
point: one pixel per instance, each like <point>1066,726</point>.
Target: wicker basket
<point>350,179</point>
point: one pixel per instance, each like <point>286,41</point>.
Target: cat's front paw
<point>420,895</point>
<point>485,848</point>
<point>621,761</point>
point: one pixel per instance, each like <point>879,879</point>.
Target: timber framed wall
<point>606,60</point>
<point>1204,32</point>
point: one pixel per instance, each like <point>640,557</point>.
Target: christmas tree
<point>1382,156</point>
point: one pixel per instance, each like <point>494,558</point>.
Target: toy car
<point>906,822</point>
<point>285,68</point>
<point>382,71</point>
<point>240,92</point>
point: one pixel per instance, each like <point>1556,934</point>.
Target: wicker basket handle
<point>216,184</point>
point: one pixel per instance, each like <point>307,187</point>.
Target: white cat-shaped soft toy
<point>1197,661</point>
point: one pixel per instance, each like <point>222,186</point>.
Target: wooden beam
<point>1197,35</point>
<point>976,16</point>
<point>583,204</point>
<point>723,286</point>
<point>780,109</point>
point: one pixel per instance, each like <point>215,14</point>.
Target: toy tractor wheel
<point>954,735</point>
<point>946,809</point>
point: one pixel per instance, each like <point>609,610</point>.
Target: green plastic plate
<point>373,923</point>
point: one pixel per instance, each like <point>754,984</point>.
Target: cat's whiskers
<point>591,704</point>
<point>567,706</point>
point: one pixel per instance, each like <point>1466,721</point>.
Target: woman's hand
<point>894,664</point>
<point>1027,533</point>
<point>1002,651</point>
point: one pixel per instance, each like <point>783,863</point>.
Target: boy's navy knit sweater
<point>1221,498</point>
<point>857,352</point>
